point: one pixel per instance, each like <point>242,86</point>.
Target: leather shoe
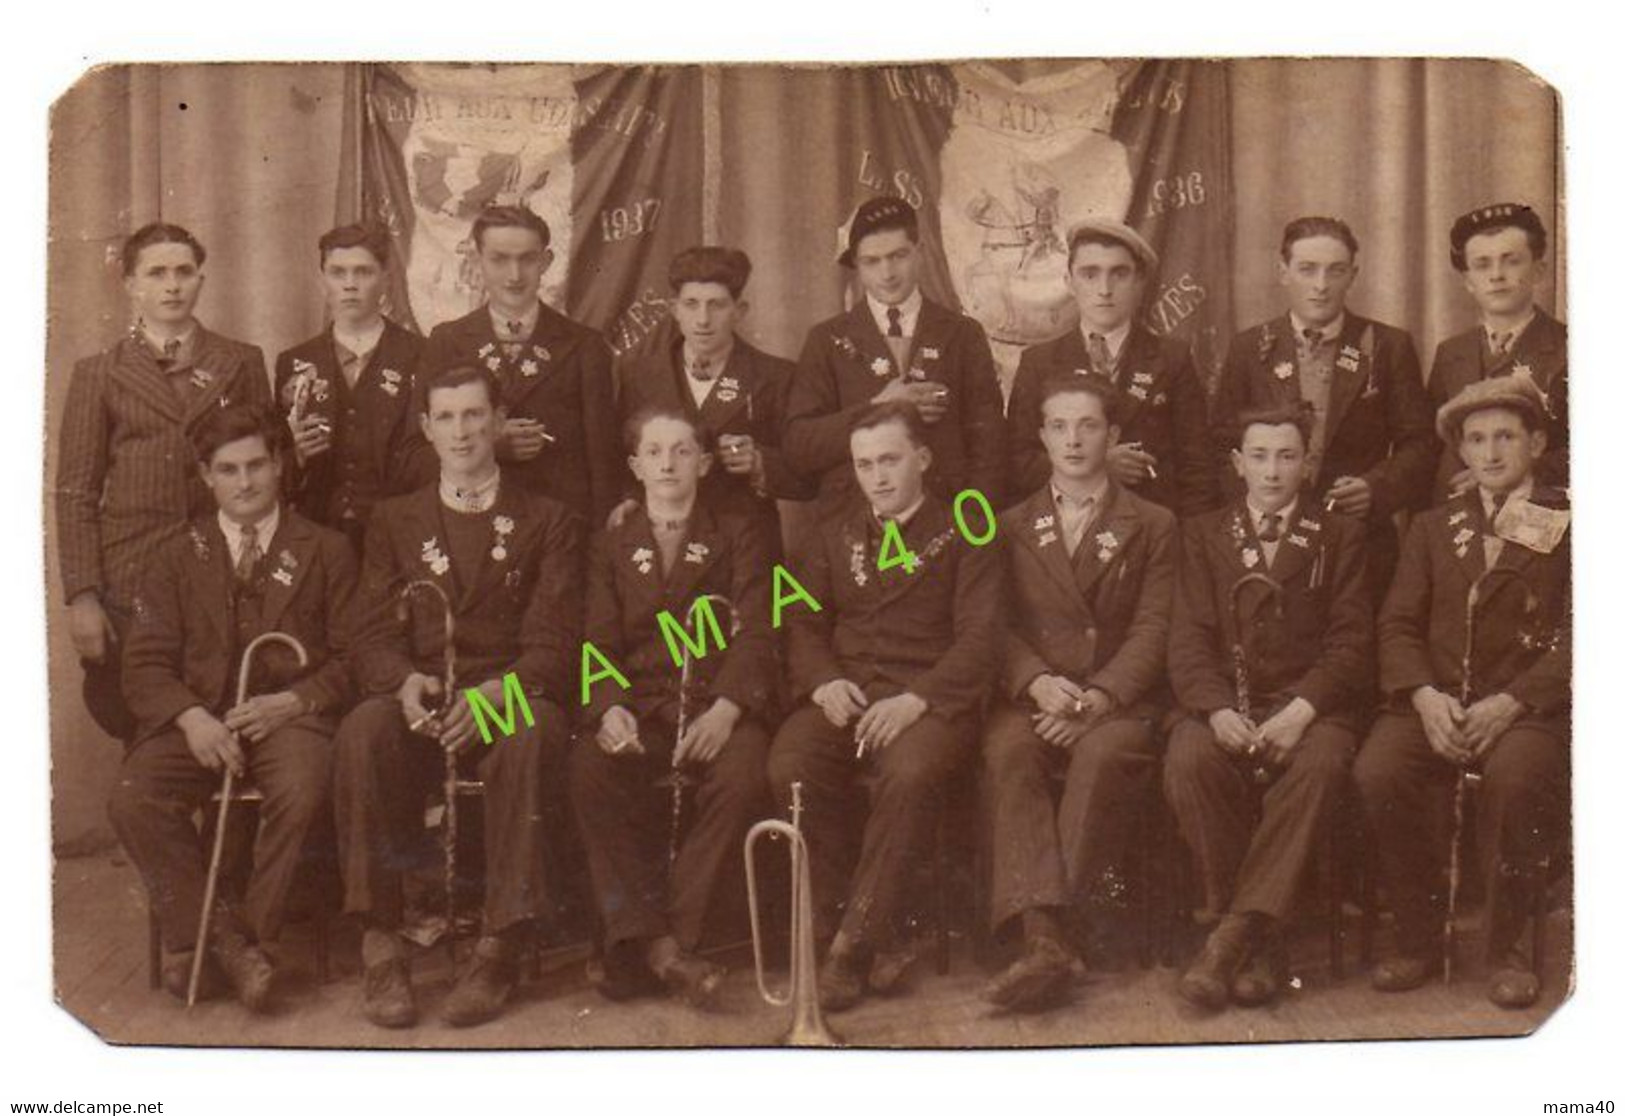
<point>1035,980</point>
<point>840,982</point>
<point>485,987</point>
<point>1512,984</point>
<point>1206,984</point>
<point>1402,973</point>
<point>386,994</point>
<point>175,973</point>
<point>247,969</point>
<point>623,973</point>
<point>891,968</point>
<point>1260,979</point>
<point>693,980</point>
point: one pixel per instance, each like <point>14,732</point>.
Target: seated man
<point>508,561</point>
<point>664,557</point>
<point>1091,574</point>
<point>891,669</point>
<point>1270,658</point>
<point>249,568</point>
<point>1511,723</point>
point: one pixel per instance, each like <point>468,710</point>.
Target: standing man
<point>1270,657</point>
<point>1091,579</point>
<point>1500,251</point>
<point>1162,408</point>
<point>250,567</point>
<point>125,481</point>
<point>1503,541</point>
<point>890,671</point>
<point>509,562</point>
<point>696,363</point>
<point>559,439</point>
<point>347,392</point>
<point>654,568</point>
<point>1371,449</point>
<point>896,346</point>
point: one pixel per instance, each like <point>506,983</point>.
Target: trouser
<point>625,818</point>
<point>160,788</point>
<point>1407,791</point>
<point>1252,846</point>
<point>864,861</point>
<point>1047,854</point>
<point>382,773</point>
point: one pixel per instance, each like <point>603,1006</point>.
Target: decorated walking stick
<point>678,779</point>
<point>430,725</point>
<point>227,782</point>
<point>1261,772</point>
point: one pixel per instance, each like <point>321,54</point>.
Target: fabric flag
<point>1001,159</point>
<point>608,156</point>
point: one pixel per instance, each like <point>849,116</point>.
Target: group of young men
<point>1209,597</point>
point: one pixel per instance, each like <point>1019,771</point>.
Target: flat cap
<point>1502,215</point>
<point>871,216</point>
<point>1137,245</point>
<point>1515,392</point>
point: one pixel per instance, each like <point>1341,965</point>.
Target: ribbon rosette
<point>437,562</point>
<point>643,559</point>
<point>1249,557</point>
<point>696,553</point>
<point>929,353</point>
<point>1284,370</point>
<point>503,527</point>
<point>880,366</point>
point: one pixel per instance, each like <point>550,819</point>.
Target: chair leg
<point>155,950</point>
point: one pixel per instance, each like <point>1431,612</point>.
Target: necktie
<point>172,353</point>
<point>1075,523</point>
<point>1100,358</point>
<point>516,330</point>
<point>1311,341</point>
<point>350,364</point>
<point>1269,529</point>
<point>894,317</point>
<point>895,341</point>
<point>1501,343</point>
<point>701,370</point>
<point>248,559</point>
<point>1493,542</point>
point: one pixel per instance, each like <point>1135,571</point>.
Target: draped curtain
<point>260,159</point>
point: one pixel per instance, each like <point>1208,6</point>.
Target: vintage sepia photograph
<point>985,553</point>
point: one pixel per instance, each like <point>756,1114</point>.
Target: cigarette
<point>1151,471</point>
<point>546,437</point>
<point>422,722</point>
<point>622,744</point>
<point>940,393</point>
<point>1077,705</point>
<point>1331,504</point>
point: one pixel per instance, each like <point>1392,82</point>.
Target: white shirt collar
<point>1517,495</point>
<point>1097,493</point>
<point>1258,516</point>
<point>902,517</point>
<point>1115,340</point>
<point>527,322</point>
<point>156,344</point>
<point>910,308</point>
<point>1331,331</point>
<point>264,532</point>
<point>360,343</point>
<point>472,500</point>
<point>1516,331</point>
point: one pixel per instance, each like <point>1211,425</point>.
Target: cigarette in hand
<point>546,437</point>
<point>1331,504</point>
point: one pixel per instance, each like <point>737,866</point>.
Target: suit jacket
<point>935,633</point>
<point>1378,424</point>
<point>127,479</point>
<point>1422,630</point>
<point>1543,349</point>
<point>723,554</point>
<point>1099,617</point>
<point>519,613</point>
<point>185,643</point>
<point>1162,406</point>
<point>562,378</point>
<point>845,364</point>
<point>749,397</point>
<point>371,425</point>
<point>1319,647</point>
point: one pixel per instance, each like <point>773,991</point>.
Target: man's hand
<point>259,717</point>
<point>1282,732</point>
<point>417,696</point>
<point>458,731</point>
<point>1056,696</point>
<point>1235,733</point>
<point>522,438</point>
<point>1461,482</point>
<point>887,719</point>
<point>92,632</point>
<point>740,456</point>
<point>617,514</point>
<point>1488,718</point>
<point>931,399</point>
<point>211,743</point>
<point>840,700</point>
<point>1129,464</point>
<point>1350,496</point>
<point>311,436</point>
<point>618,732</point>
<point>1062,732</point>
<point>705,736</point>
<point>1442,718</point>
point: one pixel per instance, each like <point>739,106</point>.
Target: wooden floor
<point>101,978</point>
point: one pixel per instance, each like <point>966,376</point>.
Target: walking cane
<point>227,781</point>
<point>429,725</point>
<point>1465,776</point>
<point>1238,656</point>
<point>679,780</point>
